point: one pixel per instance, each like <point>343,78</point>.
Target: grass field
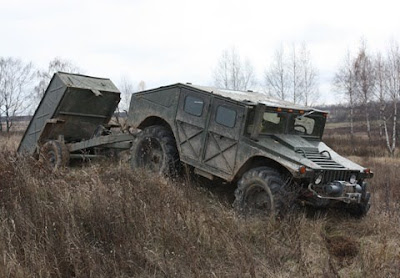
<point>104,220</point>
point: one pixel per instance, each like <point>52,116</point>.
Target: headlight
<point>318,179</point>
<point>353,179</point>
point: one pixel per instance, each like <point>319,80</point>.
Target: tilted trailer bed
<point>72,120</point>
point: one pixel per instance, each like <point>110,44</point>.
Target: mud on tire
<point>263,191</point>
<point>155,149</point>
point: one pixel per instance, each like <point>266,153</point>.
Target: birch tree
<point>380,88</point>
<point>393,90</point>
<point>277,76</point>
<point>292,77</point>
<point>233,73</point>
<point>364,81</point>
<point>344,81</point>
<point>309,86</point>
<point>295,75</point>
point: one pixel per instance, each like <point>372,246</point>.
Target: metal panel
<point>73,106</point>
<point>222,141</point>
<point>190,128</point>
<point>44,112</point>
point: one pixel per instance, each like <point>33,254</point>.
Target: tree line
<point>291,75</point>
<point>368,78</point>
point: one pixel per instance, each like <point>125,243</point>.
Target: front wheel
<point>155,150</point>
<point>262,191</point>
<point>360,210</point>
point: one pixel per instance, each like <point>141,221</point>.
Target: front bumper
<point>340,191</point>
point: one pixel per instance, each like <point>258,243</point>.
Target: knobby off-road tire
<point>263,191</point>
<point>54,154</point>
<point>155,149</point>
<point>360,210</point>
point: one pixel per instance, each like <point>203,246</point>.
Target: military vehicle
<point>271,149</point>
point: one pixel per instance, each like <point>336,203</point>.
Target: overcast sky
<point>164,42</point>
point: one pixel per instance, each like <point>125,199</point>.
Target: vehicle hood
<point>303,151</point>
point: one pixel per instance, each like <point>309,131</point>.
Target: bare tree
<point>45,75</point>
<point>344,81</point>
<point>380,88</point>
<point>292,77</point>
<point>276,77</point>
<point>15,79</point>
<point>309,85</point>
<point>141,86</point>
<point>127,88</point>
<point>232,73</point>
<point>393,90</point>
<point>295,75</point>
<point>364,80</point>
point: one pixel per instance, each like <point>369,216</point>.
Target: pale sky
<point>164,42</point>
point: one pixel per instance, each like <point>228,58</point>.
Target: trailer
<point>72,120</point>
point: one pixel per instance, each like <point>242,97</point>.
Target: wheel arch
<point>258,161</point>
<point>154,120</point>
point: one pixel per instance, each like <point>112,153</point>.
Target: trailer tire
<point>263,191</point>
<point>155,150</point>
<point>54,154</point>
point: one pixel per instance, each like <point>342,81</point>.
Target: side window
<point>225,116</point>
<point>194,105</point>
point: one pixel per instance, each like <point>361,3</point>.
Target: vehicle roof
<point>248,97</point>
<point>87,82</point>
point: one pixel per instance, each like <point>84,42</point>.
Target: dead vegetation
<point>100,221</point>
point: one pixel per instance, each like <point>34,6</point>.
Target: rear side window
<point>194,105</point>
<point>225,116</point>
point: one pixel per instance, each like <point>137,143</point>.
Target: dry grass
<point>359,145</point>
<point>99,220</point>
<point>10,141</point>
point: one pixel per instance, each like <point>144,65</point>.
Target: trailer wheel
<point>262,191</point>
<point>55,154</point>
<point>155,149</point>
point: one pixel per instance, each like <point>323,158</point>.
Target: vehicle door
<point>191,122</point>
<point>223,134</point>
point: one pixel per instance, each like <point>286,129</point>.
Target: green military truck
<point>271,149</point>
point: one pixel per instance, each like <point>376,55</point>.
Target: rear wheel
<point>155,149</point>
<point>54,154</point>
<point>262,191</point>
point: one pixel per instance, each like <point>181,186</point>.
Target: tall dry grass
<point>102,220</point>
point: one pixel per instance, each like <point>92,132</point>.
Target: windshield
<point>280,122</point>
<point>273,122</point>
<point>306,125</point>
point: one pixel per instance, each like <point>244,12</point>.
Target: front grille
<point>330,176</point>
